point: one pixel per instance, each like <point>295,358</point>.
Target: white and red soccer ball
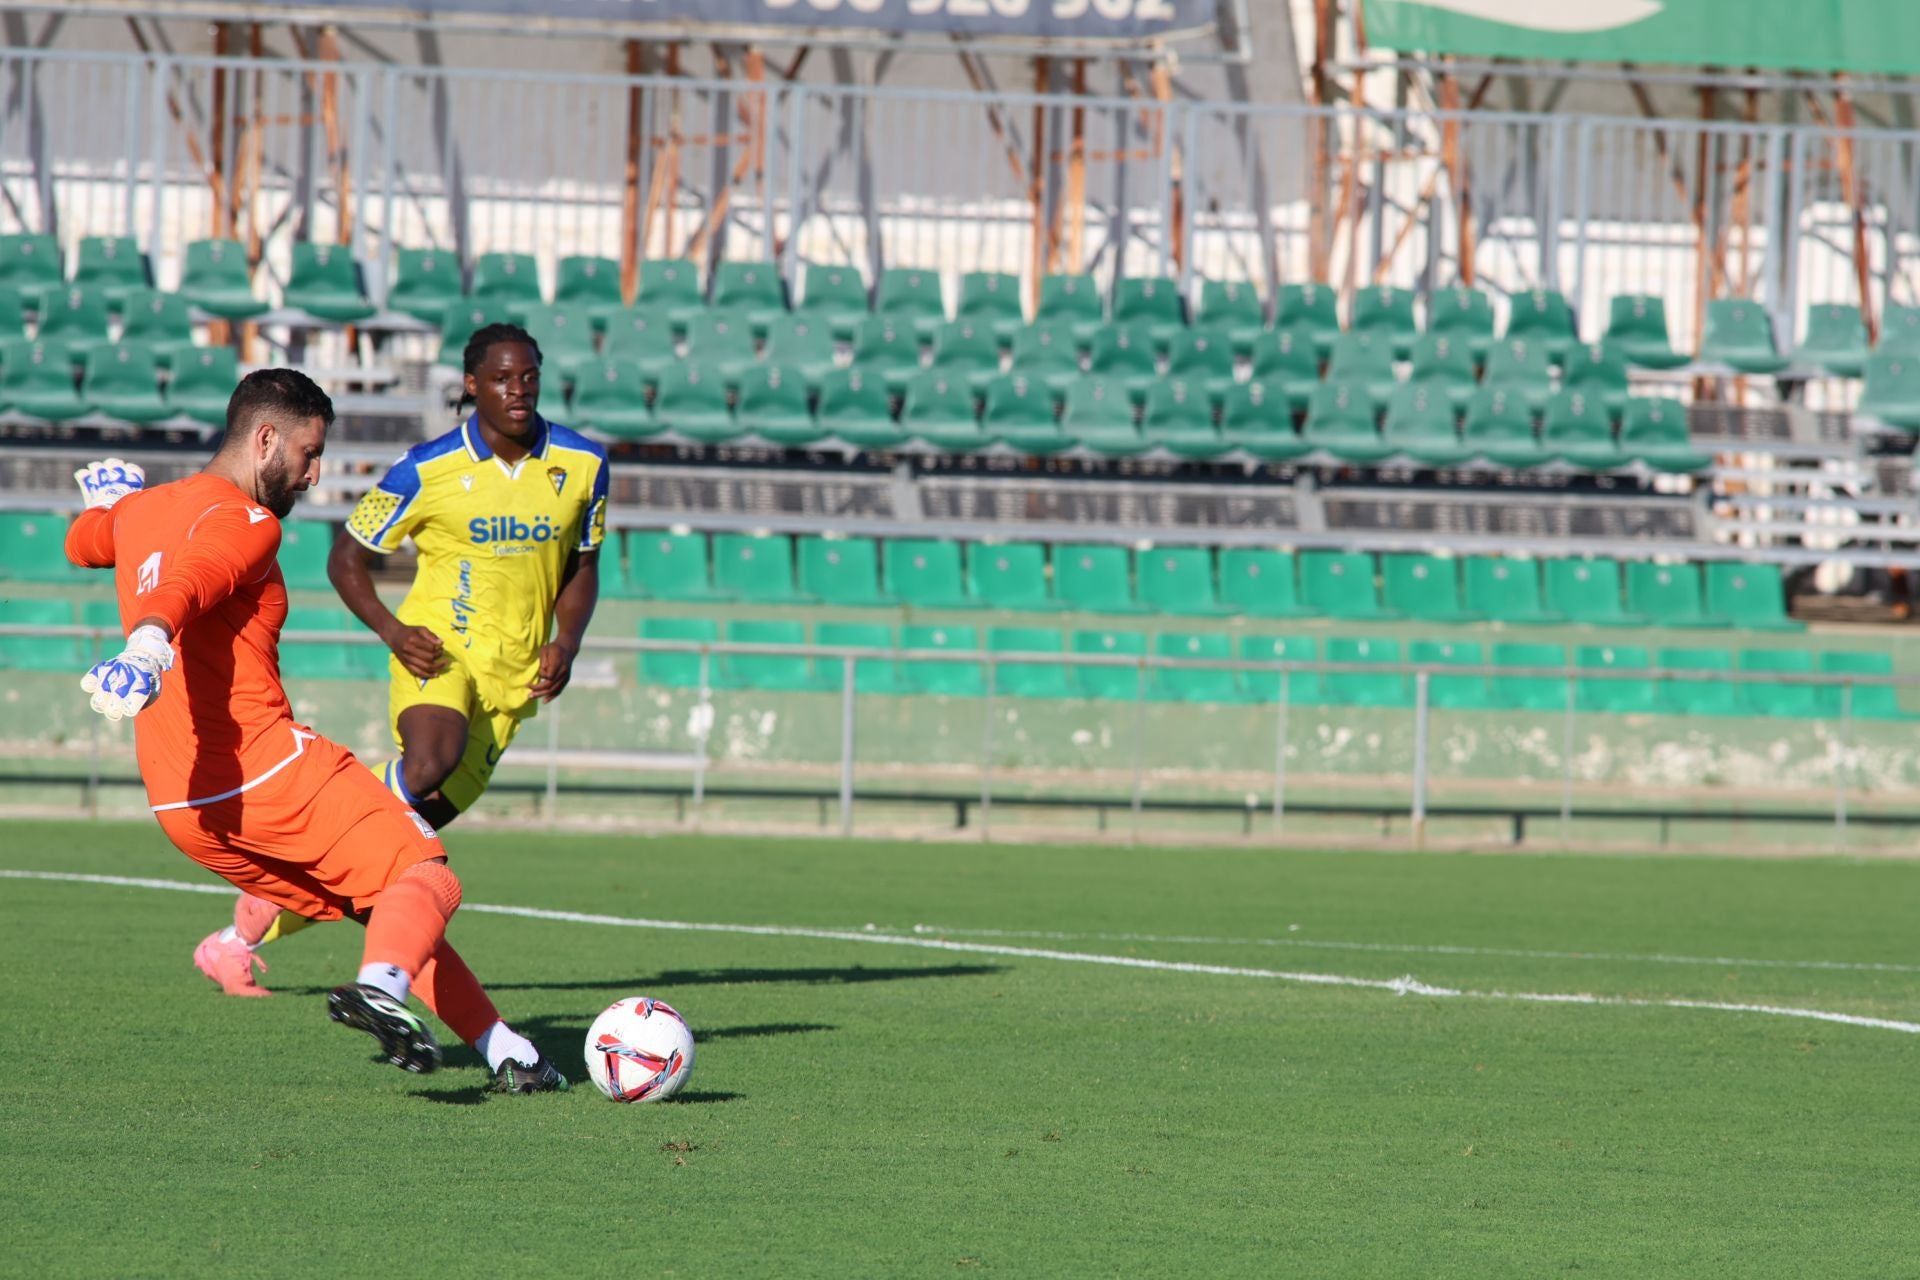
<point>639,1050</point>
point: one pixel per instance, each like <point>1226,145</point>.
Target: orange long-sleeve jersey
<point>198,554</point>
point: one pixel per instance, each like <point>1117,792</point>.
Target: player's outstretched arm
<point>572,611</point>
<point>89,542</point>
<point>350,569</point>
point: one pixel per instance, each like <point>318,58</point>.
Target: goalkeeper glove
<point>107,481</point>
<point>121,686</point>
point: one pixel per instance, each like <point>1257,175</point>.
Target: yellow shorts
<point>489,729</point>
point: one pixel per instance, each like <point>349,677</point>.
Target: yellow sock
<point>284,924</point>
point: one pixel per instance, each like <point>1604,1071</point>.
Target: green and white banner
<point>1876,36</point>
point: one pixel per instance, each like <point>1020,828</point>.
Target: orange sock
<point>446,986</point>
<point>410,917</point>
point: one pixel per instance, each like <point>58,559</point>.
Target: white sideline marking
<point>1402,986</point>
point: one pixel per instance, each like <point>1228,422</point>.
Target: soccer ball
<point>639,1050</point>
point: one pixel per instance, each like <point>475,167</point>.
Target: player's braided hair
<point>483,340</point>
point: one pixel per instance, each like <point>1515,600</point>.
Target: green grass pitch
<point>864,1108</point>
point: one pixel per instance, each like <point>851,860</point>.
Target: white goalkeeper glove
<point>107,481</point>
<point>121,686</point>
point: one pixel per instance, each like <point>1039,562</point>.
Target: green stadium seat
<point>835,297</point>
<point>1094,577</point>
<point>1655,432</point>
<point>754,568</point>
<point>1232,309</point>
<point>1340,584</point>
<point>1009,575</point>
<point>329,659</point>
<point>911,298</point>
<point>1257,420</point>
<point>201,385</point>
<point>1899,330</point>
<point>425,283</point>
<point>1019,412</point>
<point>37,381</point>
<point>73,320</point>
<point>1115,683</point>
<point>1588,591</point>
<point>1385,311</point>
<point>1047,353</point>
<point>584,280</point>
<point>565,337</point>
<point>304,548</point>
<point>1637,329</point>
<point>1739,334</point>
<point>1890,391</point>
<point>325,284</point>
<point>1178,580</point>
<point>1425,588</point>
<point>870,675</point>
<point>1072,300</point>
<point>691,401</point>
<point>1204,684</point>
<point>111,265</point>
<point>1577,430</point>
<point>752,289</point>
<point>1098,415</point>
<point>218,280</point>
<point>963,349</point>
<point>890,347</point>
<point>770,672</point>
<point>1800,701</point>
<point>462,320</point>
<point>1203,358</point>
<point>671,287</point>
<point>1445,366</point>
<point>1340,421</point>
<point>663,565</point>
<point>1365,688</point>
<point>1123,357</point>
<point>161,322</point>
<point>1260,583</point>
<point>1364,359</point>
<point>1464,316</point>
<point>1447,691</point>
<point>1288,361</point>
<point>940,411</point>
<point>841,571</point>
<point>1836,340</point>
<point>104,614</point>
<point>29,265</point>
<point>507,280</point>
<point>1420,424</point>
<point>1029,679</point>
<point>123,381</point>
<point>1668,595</point>
<point>992,299</point>
<point>948,679</point>
<point>643,335</point>
<point>64,654</point>
<point>1866,701</point>
<point>1598,370</point>
<point>610,396</point>
<point>925,573</point>
<point>1499,428</point>
<point>1621,696</point>
<point>1543,317</point>
<point>671,670</point>
<point>1179,418</point>
<point>1151,304</point>
<point>854,407</point>
<point>1520,368</point>
<point>1299,688</point>
<point>1529,693</point>
<point>1749,596</point>
<point>724,343</point>
<point>803,343</point>
<point>1711,696</point>
<point>1505,590</point>
<point>33,549</point>
<point>1312,308</point>
<point>773,405</point>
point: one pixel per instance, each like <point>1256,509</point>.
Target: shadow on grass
<point>730,977</point>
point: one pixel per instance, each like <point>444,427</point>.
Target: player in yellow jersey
<point>507,512</point>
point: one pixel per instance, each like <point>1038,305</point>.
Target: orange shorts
<point>323,838</point>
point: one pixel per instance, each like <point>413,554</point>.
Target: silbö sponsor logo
<point>510,535</point>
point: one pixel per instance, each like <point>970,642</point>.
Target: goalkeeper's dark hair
<point>268,393</point>
<point>484,339</point>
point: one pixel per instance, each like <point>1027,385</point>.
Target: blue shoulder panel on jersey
<point>568,438</point>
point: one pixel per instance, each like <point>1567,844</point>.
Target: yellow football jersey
<point>493,542</point>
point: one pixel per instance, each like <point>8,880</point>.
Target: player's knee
<point>438,879</point>
<point>428,765</point>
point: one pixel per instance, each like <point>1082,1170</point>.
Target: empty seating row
<point>32,549</point>
<point>1192,581</point>
<point>122,381</point>
<point>1020,669</point>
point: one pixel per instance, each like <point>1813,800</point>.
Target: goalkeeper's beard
<point>274,485</point>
